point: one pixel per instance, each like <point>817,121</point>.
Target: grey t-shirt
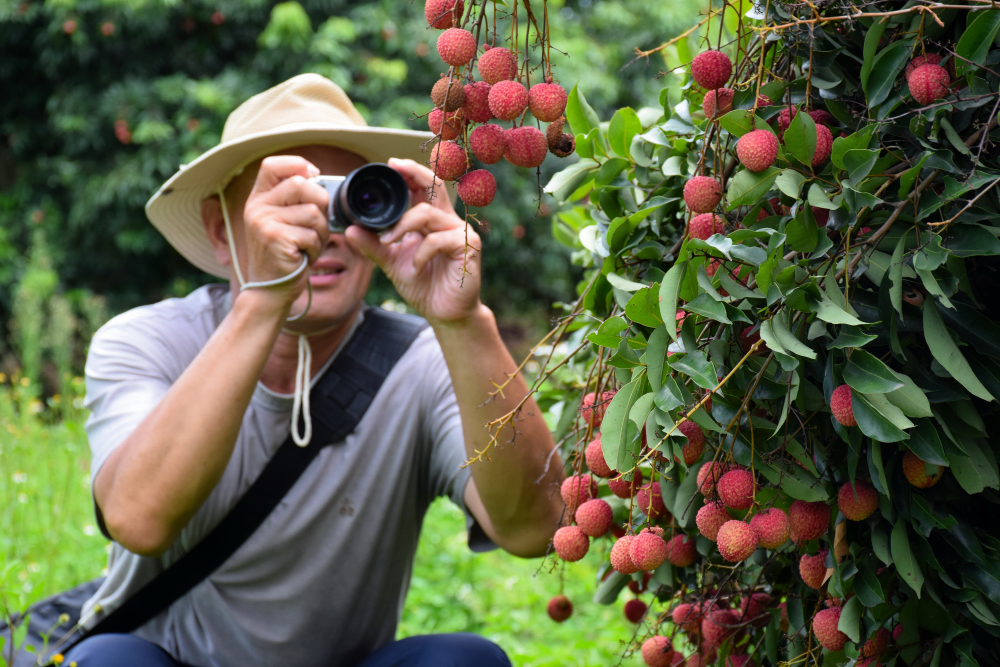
<point>323,579</point>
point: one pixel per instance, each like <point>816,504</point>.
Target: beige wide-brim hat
<point>305,110</point>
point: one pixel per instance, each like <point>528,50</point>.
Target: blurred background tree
<point>104,99</point>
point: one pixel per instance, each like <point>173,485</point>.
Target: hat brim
<point>175,209</point>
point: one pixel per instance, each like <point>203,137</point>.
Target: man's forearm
<point>523,511</point>
<point>161,474</point>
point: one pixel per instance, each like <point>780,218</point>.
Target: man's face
<point>341,275</point>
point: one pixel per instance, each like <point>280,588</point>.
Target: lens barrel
<point>374,196</point>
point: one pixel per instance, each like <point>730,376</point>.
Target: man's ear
<point>215,228</point>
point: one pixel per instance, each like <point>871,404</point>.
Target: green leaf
<point>880,545</point>
<point>656,355</point>
<point>859,163</point>
<point>749,187</point>
<point>896,274</point>
<point>669,289</point>
<point>708,307</point>
<point>624,284</point>
<point>741,121</point>
<point>850,619</point>
<point>637,309</point>
<point>819,198</point>
<point>802,233</point>
<point>926,443</point>
<point>872,39</point>
<point>947,354</point>
<point>696,365</point>
<point>976,41</point>
<point>906,564</point>
<point>889,411</point>
<point>616,442</point>
<point>788,340</point>
<point>867,587</point>
<point>608,334</point>
<point>867,374</point>
<point>625,124</point>
<point>800,138</point>
<point>969,240</point>
<point>790,182</point>
<point>872,423</point>
<point>609,170</point>
<point>831,313</point>
<point>910,399</point>
<point>850,337</point>
<point>640,410</point>
<point>608,590</point>
<point>885,69</point>
<point>579,114</point>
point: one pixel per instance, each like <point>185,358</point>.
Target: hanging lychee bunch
<point>468,112</point>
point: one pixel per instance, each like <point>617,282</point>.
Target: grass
<point>49,542</point>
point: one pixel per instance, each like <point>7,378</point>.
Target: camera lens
<point>370,197</point>
<point>374,196</point>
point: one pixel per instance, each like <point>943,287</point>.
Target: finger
<point>295,190</point>
<point>369,245</point>
<point>291,243</point>
<point>277,168</point>
<point>419,178</point>
<point>424,219</point>
<point>451,244</point>
<point>303,215</point>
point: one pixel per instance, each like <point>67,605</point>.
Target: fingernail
<point>313,170</point>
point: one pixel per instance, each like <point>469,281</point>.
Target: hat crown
<point>306,98</point>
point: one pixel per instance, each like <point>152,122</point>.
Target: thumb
<point>368,243</point>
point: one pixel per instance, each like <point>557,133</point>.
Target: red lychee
<point>710,519</point>
<point>771,526</point>
<point>681,551</point>
<point>526,145</point>
<point>488,143</point>
<point>650,502</point>
<point>821,215</point>
<point>477,102</point>
<point>686,616</point>
<point>634,610</point>
<point>440,14</point>
<point>754,608</point>
<point>718,624</point>
<point>915,470</point>
<point>822,117</point>
<point>448,160</point>
<point>560,608</point>
<point>695,446</point>
<point>547,101</point>
<point>623,488</point>
<point>702,194</point>
<point>809,520</point>
<point>477,188</point>
<point>595,459</point>
<point>621,559</point>
<point>813,569</point>
<point>841,407</point>
<point>709,475</point>
<point>717,103</point>
<point>451,128</point>
<point>570,543</point>
<point>704,225</point>
<point>764,100</point>
<point>919,61</point>
<point>736,541</point>
<point>69,27</point>
<point>757,150</point>
<point>824,626</point>
<point>648,551</point>
<point>824,145</point>
<point>736,489</point>
<point>657,651</point>
<point>877,645</point>
<point>711,69</point>
<point>578,489</point>
<point>508,100</point>
<point>448,94</point>
<point>785,117</point>
<point>858,502</point>
<point>497,64</point>
<point>928,83</point>
<point>897,632</point>
<point>593,409</point>
<point>594,517</point>
<point>456,46</point>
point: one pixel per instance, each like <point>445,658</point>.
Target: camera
<point>374,196</point>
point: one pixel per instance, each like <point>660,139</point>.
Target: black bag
<point>339,400</point>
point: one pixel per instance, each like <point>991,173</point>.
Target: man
<point>190,397</point>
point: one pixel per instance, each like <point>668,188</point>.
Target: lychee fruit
<point>877,645</point>
<point>757,150</point>
<point>717,103</point>
<point>447,129</point>
<point>508,100</point>
<point>897,632</point>
<point>477,102</point>
<point>820,215</point>
<point>809,520</point>
<point>857,502</point>
<point>497,64</point>
<point>928,83</point>
<point>686,617</point>
<point>634,610</point>
<point>710,519</point>
<point>570,543</point>
<point>560,608</point>
<point>595,459</point>
<point>547,101</point>
<point>681,551</point>
<point>717,625</point>
<point>648,551</point>
<point>561,144</point>
<point>448,94</point>
<point>578,489</point>
<point>771,526</point>
<point>764,100</point>
<point>477,188</point>
<point>657,651</point>
<point>526,145</point>
<point>824,145</point>
<point>711,69</point>
<point>594,517</point>
<point>919,61</point>
<point>695,446</point>
<point>754,608</point>
<point>704,225</point>
<point>736,541</point>
<point>488,143</point>
<point>709,475</point>
<point>440,14</point>
<point>592,409</point>
<point>623,488</point>
<point>736,489</point>
<point>702,194</point>
<point>813,569</point>
<point>456,46</point>
<point>448,160</point>
<point>621,558</point>
<point>824,626</point>
<point>785,117</point>
<point>841,407</point>
<point>822,117</point>
<point>649,500</point>
<point>915,470</point>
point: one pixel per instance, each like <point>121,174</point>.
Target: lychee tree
<point>781,373</point>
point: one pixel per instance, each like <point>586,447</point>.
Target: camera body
<point>374,196</point>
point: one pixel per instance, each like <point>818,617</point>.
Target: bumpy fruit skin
<point>526,146</point>
<point>915,470</point>
<point>928,83</point>
<point>508,100</point>
<point>547,101</point>
<point>477,188</point>
<point>897,632</point>
<point>717,103</point>
<point>809,520</point>
<point>650,501</point>
<point>634,610</point>
<point>595,459</point>
<point>709,475</point>
<point>771,526</point>
<point>448,160</point>
<point>488,143</point>
<point>711,518</point>
<point>497,64</point>
<point>648,551</point>
<point>711,69</point>
<point>456,46</point>
<point>621,559</point>
<point>560,608</point>
<point>440,13</point>
<point>824,626</point>
<point>926,59</point>
<point>757,150</point>
<point>658,651</point>
<point>736,541</point>
<point>687,617</point>
<point>824,145</point>
<point>448,96</point>
<point>736,489</point>
<point>717,625</point>
<point>451,127</point>
<point>593,409</point>
<point>704,225</point>
<point>477,102</point>
<point>578,489</point>
<point>594,517</point>
<point>754,608</point>
<point>570,543</point>
<point>822,117</point>
<point>623,488</point>
<point>857,502</point>
<point>877,645</point>
<point>785,117</point>
<point>681,551</point>
<point>841,407</point>
<point>702,194</point>
<point>695,446</point>
<point>813,569</point>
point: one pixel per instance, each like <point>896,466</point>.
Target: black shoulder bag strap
<point>339,400</point>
